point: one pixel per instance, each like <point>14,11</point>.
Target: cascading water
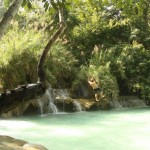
<point>115,104</point>
<point>60,93</point>
<point>41,104</point>
<point>84,91</point>
<point>77,105</point>
<point>52,106</point>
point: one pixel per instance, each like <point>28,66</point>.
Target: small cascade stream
<point>52,106</point>
<point>53,94</point>
<point>63,94</point>
<point>84,91</point>
<point>60,93</point>
<point>41,104</point>
<point>77,105</point>
<point>55,99</point>
<point>47,100</point>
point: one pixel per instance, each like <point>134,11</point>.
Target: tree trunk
<point>31,91</point>
<point>8,16</point>
<point>40,67</point>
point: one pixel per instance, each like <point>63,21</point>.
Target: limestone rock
<point>9,143</point>
<point>30,146</point>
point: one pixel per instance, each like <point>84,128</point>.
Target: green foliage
<point>119,28</point>
<point>81,76</point>
<point>108,82</point>
<point>2,9</point>
<point>27,3</point>
<point>100,69</point>
<point>114,30</point>
<point>136,61</point>
<point>97,26</point>
<point>60,66</point>
<point>19,51</point>
<point>130,7</point>
<point>21,54</point>
<point>7,2</point>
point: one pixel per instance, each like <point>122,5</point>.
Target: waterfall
<point>84,91</point>
<point>41,104</point>
<point>60,93</point>
<point>52,106</point>
<point>131,101</point>
<point>77,105</point>
<point>115,104</point>
<point>128,102</point>
<point>139,103</point>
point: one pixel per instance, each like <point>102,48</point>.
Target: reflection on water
<point>107,130</point>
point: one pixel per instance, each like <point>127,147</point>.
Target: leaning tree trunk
<point>11,99</point>
<point>40,67</point>
<point>8,16</point>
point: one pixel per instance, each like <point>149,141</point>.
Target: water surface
<point>127,129</point>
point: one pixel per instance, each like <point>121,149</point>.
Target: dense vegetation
<point>106,39</point>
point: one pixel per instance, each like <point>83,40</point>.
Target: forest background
<point>107,39</point>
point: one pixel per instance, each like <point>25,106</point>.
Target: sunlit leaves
<point>7,2</point>
<point>27,3</point>
<point>119,25</point>
<point>19,55</point>
<point>135,59</point>
<point>130,7</point>
<point>2,9</point>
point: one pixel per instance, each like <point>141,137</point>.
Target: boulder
<point>29,146</point>
<point>15,102</point>
<point>10,143</point>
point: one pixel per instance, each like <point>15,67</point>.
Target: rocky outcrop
<point>12,100</point>
<point>53,99</point>
<point>9,143</point>
<point>128,102</point>
<point>70,105</point>
<point>25,108</point>
<point>67,104</point>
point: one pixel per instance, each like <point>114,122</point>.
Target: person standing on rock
<point>97,90</point>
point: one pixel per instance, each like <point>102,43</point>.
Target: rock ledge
<point>10,143</point>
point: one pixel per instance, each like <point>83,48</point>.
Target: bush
<point>19,52</point>
<point>60,66</point>
<point>100,69</point>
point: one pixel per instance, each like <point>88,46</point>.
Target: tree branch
<point>40,68</point>
<point>8,16</point>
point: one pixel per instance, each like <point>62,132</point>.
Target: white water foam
<point>77,105</point>
<point>52,106</point>
<point>41,104</point>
